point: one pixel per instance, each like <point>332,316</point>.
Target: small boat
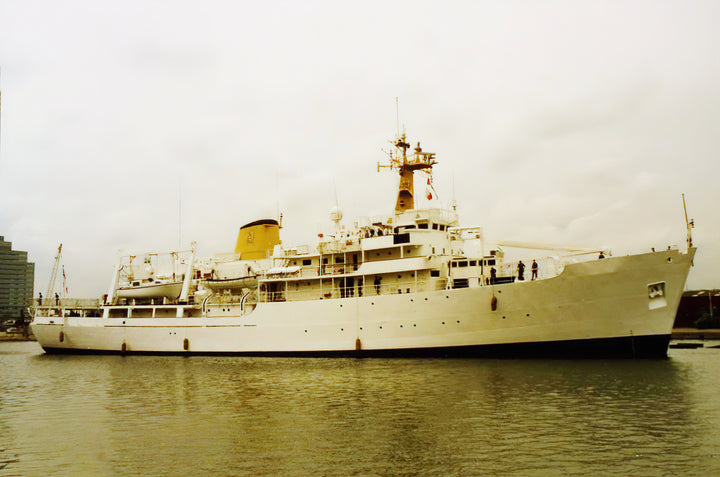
<point>230,283</point>
<point>153,289</point>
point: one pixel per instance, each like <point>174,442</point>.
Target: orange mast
<point>406,167</point>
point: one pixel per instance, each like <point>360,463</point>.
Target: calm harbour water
<point>147,415</point>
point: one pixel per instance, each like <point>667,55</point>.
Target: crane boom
<point>53,275</point>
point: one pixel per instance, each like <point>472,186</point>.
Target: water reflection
<point>108,415</point>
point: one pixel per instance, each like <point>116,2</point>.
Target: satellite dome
<point>336,214</point>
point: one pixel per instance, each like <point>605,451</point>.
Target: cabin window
<point>463,264</point>
<point>490,262</point>
<point>408,227</point>
<point>473,263</point>
<point>434,273</point>
<point>422,226</point>
<point>453,264</point>
<point>401,238</point>
<point>435,226</point>
<point>307,262</point>
<point>339,259</point>
<point>442,227</point>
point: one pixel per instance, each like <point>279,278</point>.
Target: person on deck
<point>521,270</point>
<point>534,269</point>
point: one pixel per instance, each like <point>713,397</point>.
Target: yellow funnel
<point>256,240</point>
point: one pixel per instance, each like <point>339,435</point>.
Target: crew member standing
<point>521,271</point>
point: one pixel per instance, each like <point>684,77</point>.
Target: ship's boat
<point>219,284</point>
<point>154,289</point>
<point>414,283</point>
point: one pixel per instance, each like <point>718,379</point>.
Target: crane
<point>53,275</point>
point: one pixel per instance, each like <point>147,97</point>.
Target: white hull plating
<point>626,298</point>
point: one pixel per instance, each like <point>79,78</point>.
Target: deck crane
<point>53,275</point>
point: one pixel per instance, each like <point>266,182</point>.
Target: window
<point>463,263</point>
<point>434,273</point>
<point>422,226</point>
<point>473,263</point>
<point>307,262</point>
<point>339,259</point>
<point>435,226</point>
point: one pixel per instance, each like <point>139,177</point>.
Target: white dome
<point>336,214</point>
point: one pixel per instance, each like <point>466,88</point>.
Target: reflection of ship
<point>415,283</point>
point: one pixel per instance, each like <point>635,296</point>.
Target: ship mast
<point>406,167</point>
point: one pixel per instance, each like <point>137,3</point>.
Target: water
<point>146,415</point>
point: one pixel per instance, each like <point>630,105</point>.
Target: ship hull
<point>616,307</point>
<point>623,347</point>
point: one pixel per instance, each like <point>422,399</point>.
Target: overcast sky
<point>139,125</point>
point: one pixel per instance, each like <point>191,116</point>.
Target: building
<point>17,277</point>
<point>698,309</point>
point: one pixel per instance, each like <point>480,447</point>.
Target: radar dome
<point>336,214</point>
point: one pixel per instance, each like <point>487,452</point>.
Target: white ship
<point>415,283</point>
